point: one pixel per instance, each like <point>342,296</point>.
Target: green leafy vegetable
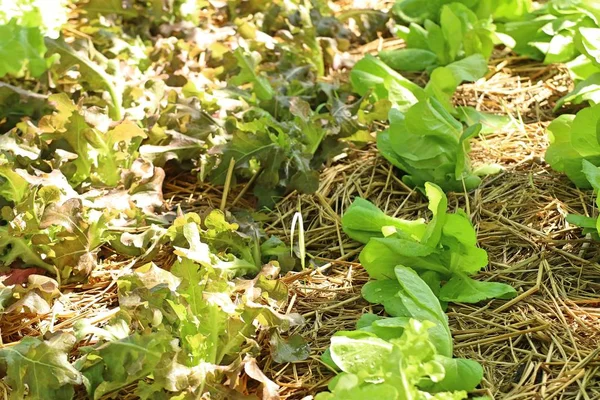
<point>40,368</point>
<point>490,123</point>
<point>391,369</point>
<point>459,34</point>
<point>446,250</point>
<point>294,348</point>
<point>573,138</point>
<point>417,11</point>
<point>371,75</point>
<point>363,221</point>
<point>248,74</point>
<point>587,90</point>
<point>462,289</point>
<point>409,296</point>
<point>23,49</point>
<point>430,146</point>
<point>90,73</point>
<point>589,225</point>
<point>445,80</point>
<point>563,32</point>
<point>409,59</point>
<point>548,33</point>
<point>117,363</point>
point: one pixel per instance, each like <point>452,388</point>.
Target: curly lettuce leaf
<point>41,368</point>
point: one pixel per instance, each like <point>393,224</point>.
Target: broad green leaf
<point>445,80</point>
<point>381,255</point>
<point>21,49</point>
<point>592,173</point>
<point>437,42</point>
<point>409,299</point>
<point>40,368</point>
<point>462,289</point>
<point>294,348</point>
<point>418,301</point>
<point>388,328</point>
<point>365,320</point>
<point>380,290</point>
<point>469,69</point>
<point>460,242</point>
<point>584,128</point>
<point>438,204</point>
<point>442,85</point>
<point>405,363</point>
<point>586,90</point>
<point>491,123</point>
<point>582,221</point>
<point>371,75</point>
<point>417,38</point>
<point>12,185</point>
<point>588,40</point>
<point>458,226</point>
<point>561,154</point>
<point>452,29</point>
<point>347,388</point>
<point>429,122</point>
<point>425,142</point>
<point>384,145</point>
<point>420,295</point>
<point>460,374</point>
<point>463,169</point>
<point>525,33</point>
<point>561,49</point>
<point>418,11</point>
<point>581,68</point>
<point>364,357</point>
<point>409,59</point>
<point>363,220</point>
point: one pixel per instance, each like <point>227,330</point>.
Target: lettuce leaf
<point>444,250</point>
<point>429,145</point>
<point>22,49</point>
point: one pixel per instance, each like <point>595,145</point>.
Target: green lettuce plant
<point>444,251</point>
<point>429,145</point>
